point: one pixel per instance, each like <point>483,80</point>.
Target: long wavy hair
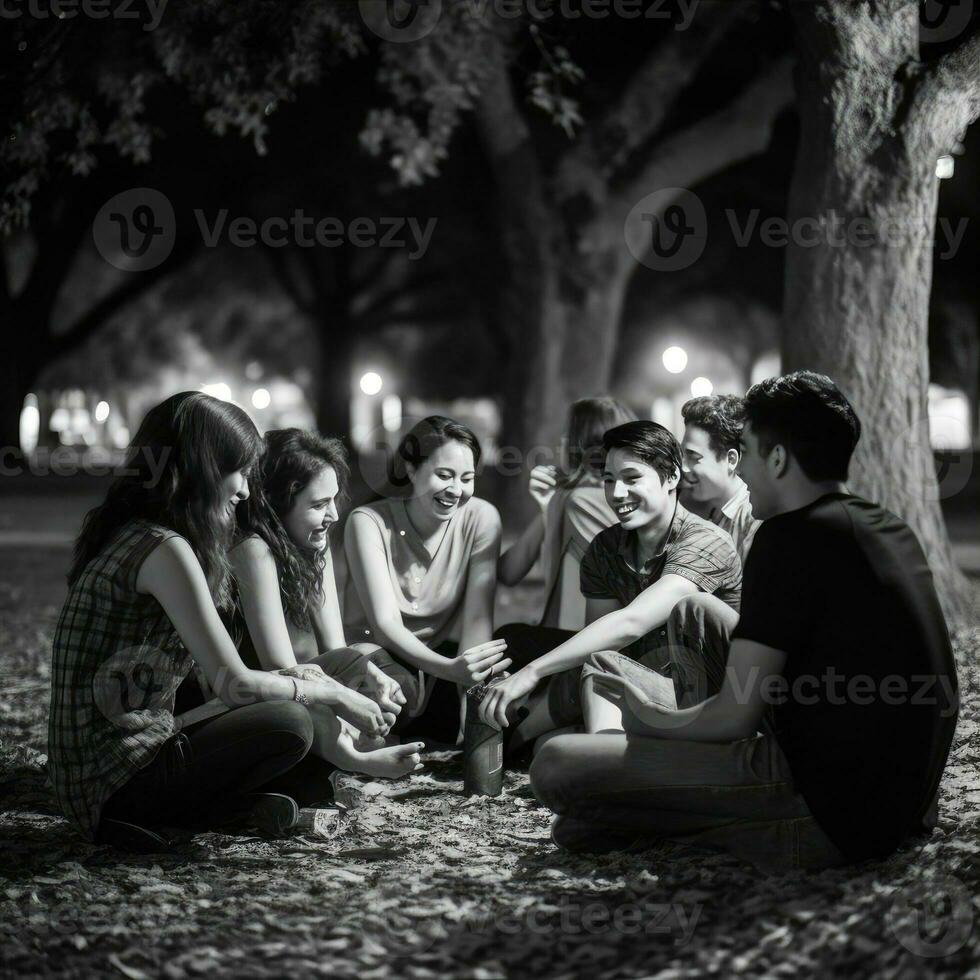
<point>588,419</point>
<point>183,450</point>
<point>292,458</point>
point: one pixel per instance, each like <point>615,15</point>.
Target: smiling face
<point>445,481</point>
<point>706,477</point>
<point>234,489</point>
<point>314,510</point>
<point>762,475</point>
<point>634,489</point>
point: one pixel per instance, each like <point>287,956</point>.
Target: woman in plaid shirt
<point>149,576</point>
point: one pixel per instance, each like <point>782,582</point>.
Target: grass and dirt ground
<point>423,882</point>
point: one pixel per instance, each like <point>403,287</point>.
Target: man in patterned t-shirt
<point>662,589</point>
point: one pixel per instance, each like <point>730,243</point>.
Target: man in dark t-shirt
<point>841,655</point>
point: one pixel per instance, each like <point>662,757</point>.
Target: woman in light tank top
<point>573,510</point>
<point>423,569</point>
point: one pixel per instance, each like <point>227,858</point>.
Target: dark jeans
<point>199,776</point>
<point>734,796</point>
<point>526,643</point>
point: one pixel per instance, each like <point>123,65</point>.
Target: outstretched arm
<point>613,631</point>
<point>172,574</point>
<point>731,714</point>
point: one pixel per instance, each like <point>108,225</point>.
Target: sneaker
<point>273,814</point>
<point>136,839</point>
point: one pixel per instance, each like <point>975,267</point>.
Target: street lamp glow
<point>261,398</point>
<point>218,390</point>
<point>675,359</point>
<point>701,387</point>
<point>371,383</point>
<point>101,411</point>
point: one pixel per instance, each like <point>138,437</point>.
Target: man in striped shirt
<point>710,485</point>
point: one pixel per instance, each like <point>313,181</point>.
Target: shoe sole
<point>274,814</point>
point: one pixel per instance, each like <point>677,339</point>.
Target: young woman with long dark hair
<point>149,576</point>
<point>288,604</point>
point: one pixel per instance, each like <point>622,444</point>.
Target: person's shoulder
<point>378,512</point>
<point>482,514</point>
<point>703,531</point>
<point>252,549</point>
<point>608,539</point>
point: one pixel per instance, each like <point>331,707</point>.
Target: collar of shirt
<point>630,540</point>
<point>731,507</point>
<point>407,532</point>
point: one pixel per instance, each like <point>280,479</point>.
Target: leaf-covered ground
<point>422,882</point>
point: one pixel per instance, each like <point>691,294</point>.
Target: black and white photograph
<point>489,489</point>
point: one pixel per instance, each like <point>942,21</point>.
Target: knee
<point>289,721</point>
<point>551,770</point>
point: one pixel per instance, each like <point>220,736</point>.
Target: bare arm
<point>617,628</point>
<point>518,559</point>
<point>516,562</point>
<point>614,630</point>
<point>328,624</point>
<point>597,608</point>
<point>258,585</point>
<point>733,713</point>
<point>172,574</point>
<point>481,587</point>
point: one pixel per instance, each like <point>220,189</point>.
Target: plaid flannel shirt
<point>117,663</point>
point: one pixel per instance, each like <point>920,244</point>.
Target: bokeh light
<point>675,359</point>
<point>371,383</point>
<point>701,387</point>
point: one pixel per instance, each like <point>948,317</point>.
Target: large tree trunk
<point>857,303</point>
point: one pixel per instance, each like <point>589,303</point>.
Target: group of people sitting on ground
<point>733,650</point>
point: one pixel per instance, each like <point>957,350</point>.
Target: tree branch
<point>950,91</point>
<point>739,131</point>
<point>649,96</point>
<point>137,284</point>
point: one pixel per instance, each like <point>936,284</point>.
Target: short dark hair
<point>649,442</point>
<point>809,415</point>
<point>721,416</point>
